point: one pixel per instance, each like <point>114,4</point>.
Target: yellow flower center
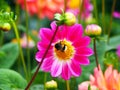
<point>64,50</point>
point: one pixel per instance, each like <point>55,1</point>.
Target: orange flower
<point>110,80</point>
<point>43,8</point>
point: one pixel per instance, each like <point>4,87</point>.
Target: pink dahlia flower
<point>110,80</point>
<point>67,52</point>
<point>116,14</point>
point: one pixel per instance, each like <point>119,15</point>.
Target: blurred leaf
<point>10,79</point>
<point>9,55</point>
<point>37,87</point>
<point>113,43</point>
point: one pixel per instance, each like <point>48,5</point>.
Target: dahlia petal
<point>108,73</point>
<point>85,41</point>
<point>56,68</point>
<point>75,69</point>
<point>84,51</point>
<point>75,32</point>
<point>81,60</point>
<point>46,34</point>
<point>53,26</point>
<point>47,63</point>
<point>40,54</point>
<point>43,45</point>
<point>62,32</point>
<point>65,72</point>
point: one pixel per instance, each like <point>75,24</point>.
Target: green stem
<point>1,37</point>
<point>80,10</point>
<point>95,9</point>
<point>20,48</point>
<point>95,52</point>
<point>67,85</point>
<point>110,24</point>
<point>45,78</point>
<point>73,84</point>
<point>28,51</point>
<point>40,63</point>
<point>103,16</point>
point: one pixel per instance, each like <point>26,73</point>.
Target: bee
<point>60,47</point>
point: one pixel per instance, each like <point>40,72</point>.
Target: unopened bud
<point>5,27</point>
<point>93,30</point>
<point>51,85</point>
<point>70,18</point>
<point>67,18</point>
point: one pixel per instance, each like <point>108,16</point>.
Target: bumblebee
<point>60,47</point>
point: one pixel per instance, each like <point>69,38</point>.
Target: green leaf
<point>114,42</point>
<point>9,54</point>
<point>37,87</point>
<point>10,79</point>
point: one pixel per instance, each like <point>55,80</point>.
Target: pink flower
<point>23,41</point>
<point>110,80</point>
<point>67,52</point>
<point>118,51</point>
<point>116,14</point>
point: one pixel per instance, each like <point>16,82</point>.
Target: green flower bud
<point>70,19</point>
<point>67,18</point>
<point>51,85</point>
<point>93,30</point>
<point>5,27</point>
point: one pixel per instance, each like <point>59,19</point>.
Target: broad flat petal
<point>84,41</point>
<point>46,34</point>
<point>53,26</point>
<point>75,69</point>
<point>47,63</point>
<point>81,60</point>
<point>84,51</point>
<point>66,72</point>
<point>40,54</point>
<point>56,68</point>
<point>75,32</point>
<point>42,45</point>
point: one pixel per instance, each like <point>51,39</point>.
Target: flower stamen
<point>64,50</point>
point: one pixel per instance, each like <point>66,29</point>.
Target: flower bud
<point>93,30</point>
<point>51,85</point>
<point>70,18</point>
<point>67,18</point>
<point>5,26</point>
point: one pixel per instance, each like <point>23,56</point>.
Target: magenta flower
<point>118,51</point>
<point>116,14</point>
<point>68,50</point>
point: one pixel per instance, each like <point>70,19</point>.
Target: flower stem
<point>95,52</point>
<point>1,37</point>
<point>40,63</point>
<point>80,10</point>
<point>95,9</point>
<point>67,85</point>
<point>21,53</point>
<point>110,24</point>
<point>45,77</point>
<point>28,51</point>
<point>65,5</point>
<point>103,16</point>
